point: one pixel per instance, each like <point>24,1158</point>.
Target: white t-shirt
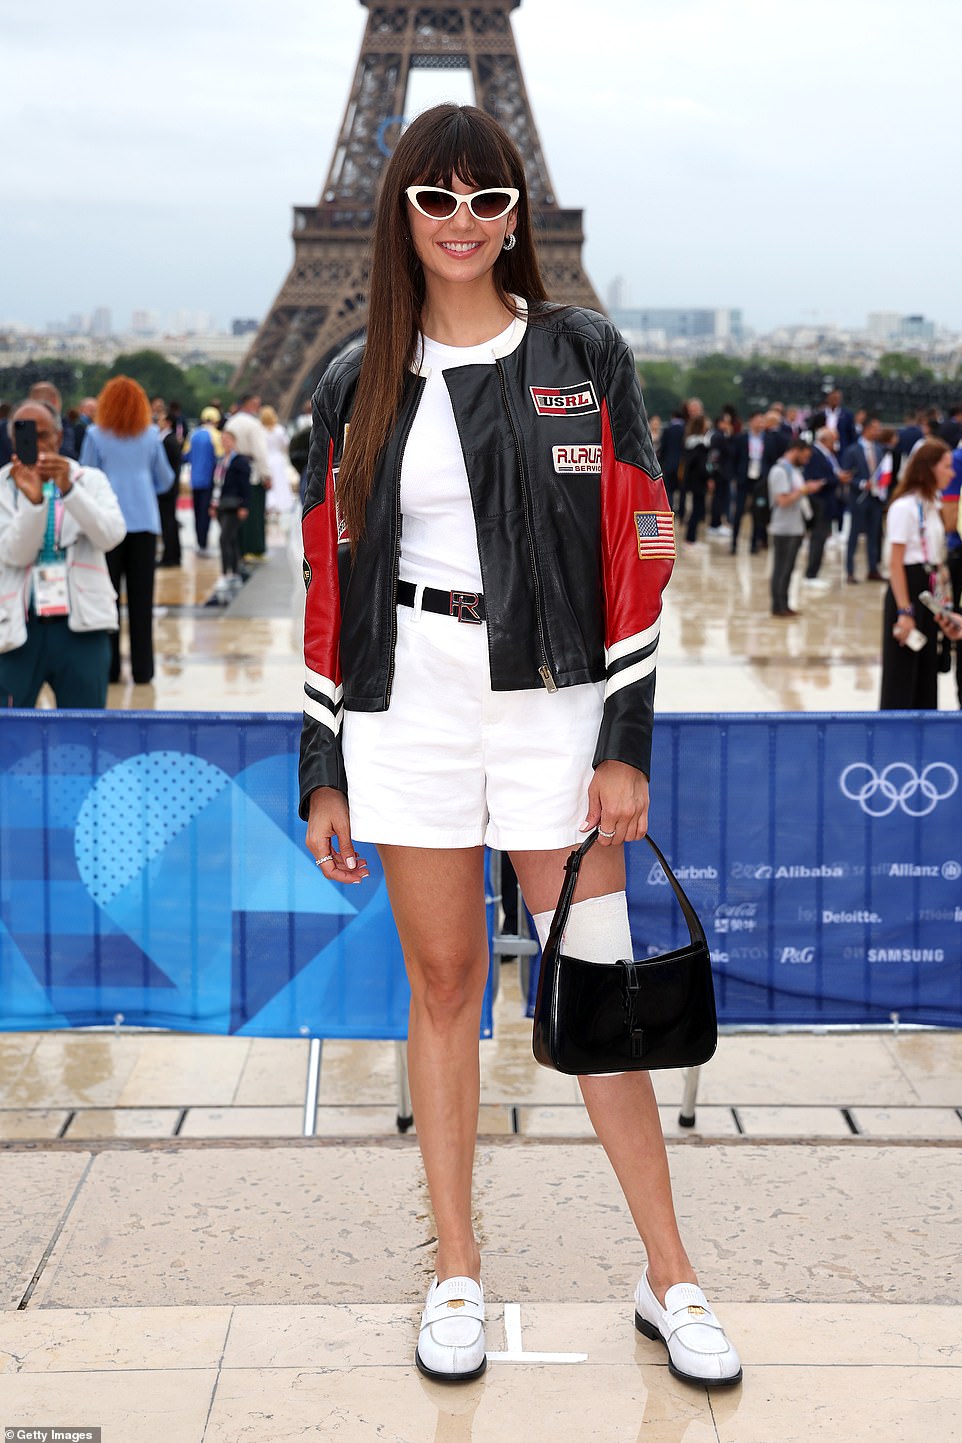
<point>439,540</point>
<point>903,524</point>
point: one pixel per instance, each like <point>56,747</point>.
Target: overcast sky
<point>799,162</point>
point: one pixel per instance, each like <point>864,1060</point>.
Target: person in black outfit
<point>670,454</point>
<point>750,471</point>
<point>231,506</point>
<point>723,459</point>
<point>167,501</point>
<point>951,428</point>
<point>696,474</point>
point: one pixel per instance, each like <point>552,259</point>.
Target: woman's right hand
<point>329,817</point>
<point>902,629</point>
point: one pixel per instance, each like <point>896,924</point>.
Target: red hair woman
<point>125,444</point>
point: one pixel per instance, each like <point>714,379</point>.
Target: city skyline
<point>705,176</point>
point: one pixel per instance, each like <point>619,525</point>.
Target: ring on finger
<point>609,835</point>
<point>321,860</point>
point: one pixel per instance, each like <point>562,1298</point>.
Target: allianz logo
<point>950,871</point>
<point>657,878</point>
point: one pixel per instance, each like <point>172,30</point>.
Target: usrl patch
<point>564,401</point>
<point>656,535</point>
<point>585,460</point>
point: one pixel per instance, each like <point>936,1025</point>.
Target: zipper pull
<point>550,684</point>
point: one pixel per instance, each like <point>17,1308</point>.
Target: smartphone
<point>916,639</point>
<point>937,608</point>
<point>25,442</point>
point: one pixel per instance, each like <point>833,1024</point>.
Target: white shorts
<point>452,763</point>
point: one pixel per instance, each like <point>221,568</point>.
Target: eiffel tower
<point>322,305</point>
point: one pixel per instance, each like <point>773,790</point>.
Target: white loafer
<point>451,1341</point>
<point>698,1350</point>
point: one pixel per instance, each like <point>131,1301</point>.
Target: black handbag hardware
<point>595,1017</point>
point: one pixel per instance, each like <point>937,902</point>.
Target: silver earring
<point>510,241</point>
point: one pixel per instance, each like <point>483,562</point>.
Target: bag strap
<point>573,868</point>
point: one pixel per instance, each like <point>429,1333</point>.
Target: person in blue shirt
<point>126,446</point>
<point>202,450</point>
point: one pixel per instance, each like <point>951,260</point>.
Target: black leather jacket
<point>575,535</point>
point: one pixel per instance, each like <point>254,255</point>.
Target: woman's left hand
<point>617,803</point>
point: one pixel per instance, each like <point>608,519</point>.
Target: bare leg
<point>622,1109</point>
<point>437,897</point>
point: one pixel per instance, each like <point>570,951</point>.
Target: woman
<point>697,480</point>
<point>280,498</point>
<point>503,535</point>
<point>124,444</point>
<point>916,536</point>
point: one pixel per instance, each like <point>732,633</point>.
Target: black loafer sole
<point>449,1377</point>
<point>650,1331</point>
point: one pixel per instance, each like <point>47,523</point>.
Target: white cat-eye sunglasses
<point>439,204</point>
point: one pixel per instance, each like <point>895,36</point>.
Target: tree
<point>158,376</point>
<point>897,366</point>
<point>663,385</point>
<point>716,381</point>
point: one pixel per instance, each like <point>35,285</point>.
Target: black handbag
<point>594,1017</point>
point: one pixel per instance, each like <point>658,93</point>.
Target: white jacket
<point>92,525</point>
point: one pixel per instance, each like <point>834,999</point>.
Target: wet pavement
<point>179,1262</point>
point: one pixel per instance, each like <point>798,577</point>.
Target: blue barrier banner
<point>153,871</point>
<point>824,856</point>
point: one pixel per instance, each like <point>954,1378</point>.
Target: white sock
<point>597,929</point>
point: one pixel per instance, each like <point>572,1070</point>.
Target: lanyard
<point>922,537</point>
<point>52,548</point>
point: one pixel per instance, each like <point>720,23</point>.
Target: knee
<point>445,987</point>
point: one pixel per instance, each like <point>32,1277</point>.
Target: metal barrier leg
<point>405,1116</point>
<point>313,1087</point>
<point>686,1118</point>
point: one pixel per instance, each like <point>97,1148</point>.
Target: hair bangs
<point>462,142</point>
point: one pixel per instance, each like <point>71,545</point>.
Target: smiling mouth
<point>460,248</point>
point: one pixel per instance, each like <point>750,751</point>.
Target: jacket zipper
<point>544,671</point>
<point>402,442</point>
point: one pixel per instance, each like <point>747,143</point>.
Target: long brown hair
<point>919,474</point>
<point>123,407</point>
<point>443,142</point>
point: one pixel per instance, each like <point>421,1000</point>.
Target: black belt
<point>467,606</point>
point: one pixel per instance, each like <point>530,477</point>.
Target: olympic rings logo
<point>899,785</point>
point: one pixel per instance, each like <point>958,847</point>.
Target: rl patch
<point>656,535</point>
<point>566,401</point>
<point>584,460</point>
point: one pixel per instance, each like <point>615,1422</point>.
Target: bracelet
<point>905,611</point>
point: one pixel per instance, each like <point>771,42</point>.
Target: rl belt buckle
<point>463,605</point>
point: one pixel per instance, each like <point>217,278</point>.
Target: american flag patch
<point>656,535</point>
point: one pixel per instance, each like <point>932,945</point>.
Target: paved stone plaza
<point>179,1264</point>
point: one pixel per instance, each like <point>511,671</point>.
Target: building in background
<point>660,326</point>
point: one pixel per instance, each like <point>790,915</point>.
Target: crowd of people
<point>826,470</point>
<point>765,481</point>
<point>88,511</point>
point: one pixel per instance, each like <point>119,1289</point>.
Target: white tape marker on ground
<point>515,1351</point>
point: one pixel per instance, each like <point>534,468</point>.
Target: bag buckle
<point>464,605</point>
